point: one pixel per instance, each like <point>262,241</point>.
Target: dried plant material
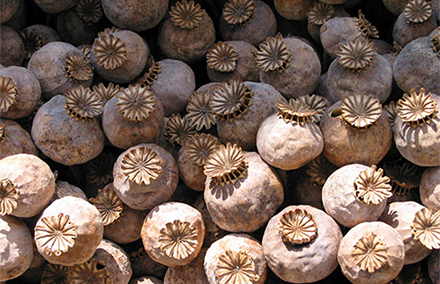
<point>391,112</point>
<point>8,197</point>
<point>178,130</point>
<point>239,12</point>
<point>297,227</point>
<point>199,111</point>
<point>141,165</point>
<point>435,42</point>
<point>99,171</point>
<point>417,109</point>
<point>152,73</point>
<point>199,147</point>
<point>108,31</point>
<point>108,204</point>
<point>222,57</point>
<point>77,68</point>
<point>186,14</point>
<point>365,27</point>
<point>106,93</point>
<point>110,51</point>
<point>320,13</point>
<point>91,271</point>
<point>404,176</point>
<point>231,100</point>
<point>396,49</point>
<point>370,252</point>
<point>86,49</point>
<point>361,111</point>
<point>356,55</point>
<point>316,103</point>
<point>55,234</point>
<point>178,239</point>
<point>8,93</point>
<point>236,267</point>
<point>417,11</point>
<point>319,169</point>
<point>135,103</point>
<point>32,42</point>
<point>226,164</point>
<point>426,227</point>
<point>82,103</point>
<point>89,11</point>
<point>55,274</point>
<point>295,111</point>
<point>371,187</point>
<point>274,54</point>
<point>3,132</point>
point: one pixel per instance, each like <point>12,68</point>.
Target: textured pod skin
<point>263,24</point>
<point>63,189</point>
<point>130,223</point>
<point>315,30</point>
<point>62,138</point>
<point>55,6</point>
<point>246,205</point>
<point>404,33</point>
<point>16,250</point>
<point>430,188</point>
<point>8,9</point>
<point>11,47</point>
<point>188,274</point>
<point>400,216</point>
<point>28,92</point>
<point>340,201</point>
<point>89,230</point>
<point>191,174</point>
<point>294,10</point>
<point>304,263</point>
<point>434,266</point>
<point>17,140</point>
<point>116,262</point>
<point>345,145</point>
<point>34,181</point>
<point>135,15</point>
<point>146,280</point>
<point>18,20</point>
<point>288,146</point>
<point>47,34</point>
<point>395,250</point>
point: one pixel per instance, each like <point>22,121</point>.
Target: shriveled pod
<point>193,272</point>
<point>65,128</point>
<point>290,139</point>
<point>240,108</point>
<point>134,115</point>
<point>14,139</point>
<point>8,9</point>
<point>146,280</point>
<point>235,258</point>
<point>232,60</point>
<point>26,185</point>
<point>356,193</point>
<point>371,252</point>
<point>301,244</point>
<point>416,128</point>
<point>173,233</point>
<point>186,32</point>
<point>36,36</point>
<point>20,92</point>
<point>66,67</point>
<point>405,179</point>
<point>290,65</point>
<point>358,118</point>
<point>68,231</point>
<point>430,188</point>
<point>145,175</point>
<point>11,47</point>
<point>16,250</point>
<point>119,55</point>
<point>249,20</point>
<point>241,191</point>
<point>199,108</point>
<point>54,6</point>
<point>359,69</point>
<point>434,266</point>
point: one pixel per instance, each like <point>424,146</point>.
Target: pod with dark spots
<point>15,140</point>
<point>430,188</point>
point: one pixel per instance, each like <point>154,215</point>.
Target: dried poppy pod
<point>11,47</point>
<point>99,171</point>
<point>430,188</point>
<point>434,267</point>
<point>186,33</point>
<point>146,280</point>
<point>26,185</point>
<point>145,175</point>
<point>119,56</point>
<point>73,136</point>
<point>36,36</point>
<point>416,128</point>
<point>173,239</point>
<point>55,6</point>
<point>240,108</point>
<point>405,179</point>
<point>301,244</point>
<point>371,252</point>
<point>359,69</point>
<point>63,189</point>
<point>289,139</point>
<point>199,109</point>
<point>141,262</point>
<point>106,93</point>
<point>212,231</point>
<point>241,191</point>
<point>134,115</point>
<point>416,20</point>
<point>68,231</point>
<point>290,65</point>
<point>8,9</point>
<point>16,251</point>
<point>357,118</point>
<point>356,193</point>
<point>297,10</point>
<point>232,60</point>
<point>249,20</point>
<point>177,130</point>
<point>92,270</point>
<point>425,227</point>
<point>15,140</point>
<point>235,258</point>
<point>400,216</point>
<point>188,274</point>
